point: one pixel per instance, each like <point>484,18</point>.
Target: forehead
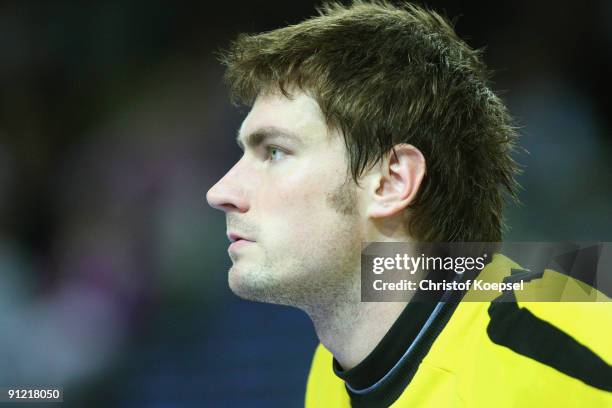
<point>299,115</point>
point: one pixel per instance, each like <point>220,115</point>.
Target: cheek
<point>298,204</point>
<point>293,202</point>
<point>299,190</point>
<point>295,211</point>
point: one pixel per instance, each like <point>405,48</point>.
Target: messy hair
<point>383,75</point>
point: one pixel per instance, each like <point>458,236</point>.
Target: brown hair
<point>384,75</point>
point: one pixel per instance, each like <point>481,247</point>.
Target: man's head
<point>368,122</point>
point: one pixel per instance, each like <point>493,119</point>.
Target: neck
<point>351,331</point>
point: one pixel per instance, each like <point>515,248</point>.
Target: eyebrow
<point>259,136</point>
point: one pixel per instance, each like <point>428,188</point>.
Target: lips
<point>235,237</point>
<point>237,242</point>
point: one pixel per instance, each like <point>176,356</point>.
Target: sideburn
<point>343,198</point>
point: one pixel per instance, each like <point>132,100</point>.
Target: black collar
<point>390,349</point>
<point>386,372</point>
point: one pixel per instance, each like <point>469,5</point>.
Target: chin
<point>244,285</point>
<point>250,285</point>
<point>236,281</point>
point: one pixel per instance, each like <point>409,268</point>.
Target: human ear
<point>396,183</point>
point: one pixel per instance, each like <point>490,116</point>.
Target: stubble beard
<point>325,274</point>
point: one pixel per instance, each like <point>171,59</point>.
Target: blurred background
<point>114,122</point>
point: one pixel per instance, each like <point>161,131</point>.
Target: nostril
<point>228,207</point>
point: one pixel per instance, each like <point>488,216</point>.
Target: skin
<point>304,218</point>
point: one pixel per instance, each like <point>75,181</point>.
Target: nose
<point>228,195</point>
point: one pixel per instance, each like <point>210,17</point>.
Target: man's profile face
<point>293,204</point>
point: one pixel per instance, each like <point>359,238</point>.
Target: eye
<point>274,153</point>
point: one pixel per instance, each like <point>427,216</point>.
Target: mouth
<point>237,241</point>
<point>234,237</point>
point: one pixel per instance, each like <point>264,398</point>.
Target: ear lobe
<point>401,174</point>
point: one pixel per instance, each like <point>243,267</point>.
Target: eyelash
<point>269,150</point>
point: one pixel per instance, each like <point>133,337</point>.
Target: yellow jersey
<point>515,353</point>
